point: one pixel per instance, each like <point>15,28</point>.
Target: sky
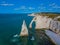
<point>29,6</point>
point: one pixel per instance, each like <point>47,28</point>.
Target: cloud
<point>54,5</point>
<point>20,8</point>
<point>31,8</point>
<point>24,8</point>
<point>58,7</point>
<point>6,4</point>
<point>42,7</point>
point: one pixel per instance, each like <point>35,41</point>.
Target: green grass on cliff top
<point>50,15</point>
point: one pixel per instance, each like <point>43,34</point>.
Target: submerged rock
<point>15,38</point>
<point>32,38</point>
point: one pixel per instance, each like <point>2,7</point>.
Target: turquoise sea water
<point>10,24</point>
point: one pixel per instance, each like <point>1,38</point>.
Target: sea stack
<point>24,29</point>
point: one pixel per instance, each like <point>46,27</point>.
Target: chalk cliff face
<point>24,30</point>
<point>41,22</point>
<point>47,21</point>
<point>55,26</point>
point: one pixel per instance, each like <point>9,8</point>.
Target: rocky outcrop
<point>24,30</point>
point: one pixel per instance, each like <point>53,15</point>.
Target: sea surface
<point>10,24</point>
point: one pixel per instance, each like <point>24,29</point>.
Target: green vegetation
<point>50,15</point>
<point>58,19</point>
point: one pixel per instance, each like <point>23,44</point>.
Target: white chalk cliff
<point>40,21</point>
<point>24,30</point>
